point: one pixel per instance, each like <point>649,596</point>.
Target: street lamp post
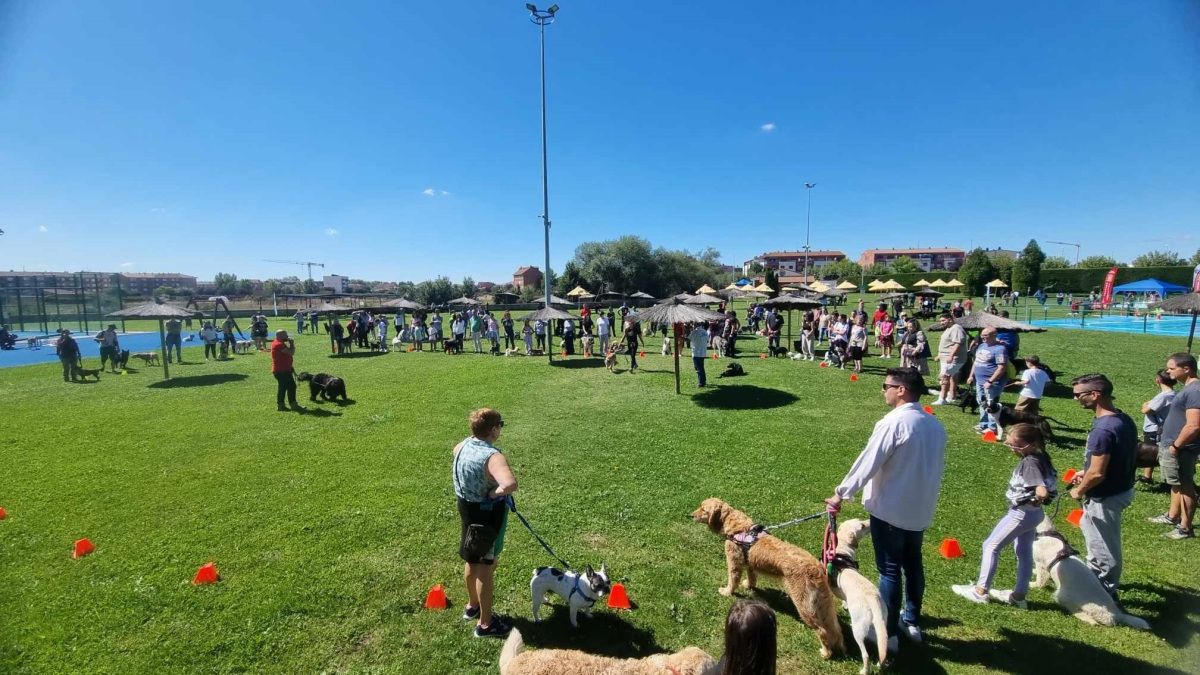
<point>543,18</point>
<point>808,228</point>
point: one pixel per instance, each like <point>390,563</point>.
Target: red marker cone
<point>824,364</point>
<point>207,574</point>
<point>436,598</point>
<point>1069,475</point>
<point>854,377</point>
<point>3,513</point>
<point>82,548</point>
<point>564,352</point>
<point>714,356</point>
<point>950,549</point>
<point>762,356</point>
<point>642,355</point>
<point>989,436</point>
<point>1075,516</point>
<point>618,598</point>
<point>929,409</point>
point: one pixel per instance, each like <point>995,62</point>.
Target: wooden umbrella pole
<point>676,330</point>
<point>162,347</point>
<point>1192,332</point>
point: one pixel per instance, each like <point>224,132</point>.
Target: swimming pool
<point>1167,325</point>
<point>88,348</point>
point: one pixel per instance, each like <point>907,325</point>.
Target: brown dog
<point>515,661</point>
<point>803,576</point>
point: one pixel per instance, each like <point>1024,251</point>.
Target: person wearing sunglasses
<point>1106,485</point>
<point>900,476</point>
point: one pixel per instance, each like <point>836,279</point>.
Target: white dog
<point>512,352</point>
<point>666,348</point>
<point>1077,589</point>
<point>868,614</point>
<point>397,342</point>
<point>243,346</point>
<point>581,591</point>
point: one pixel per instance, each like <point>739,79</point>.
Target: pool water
<point>88,348</point>
<point>1167,325</point>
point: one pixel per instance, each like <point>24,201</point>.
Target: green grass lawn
<point>329,528</point>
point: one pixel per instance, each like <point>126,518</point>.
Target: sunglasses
<point>1077,394</point>
<point>887,386</point>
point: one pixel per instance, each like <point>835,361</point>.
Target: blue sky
<point>400,141</point>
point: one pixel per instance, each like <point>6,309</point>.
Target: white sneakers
<point>968,592</point>
<point>939,401</point>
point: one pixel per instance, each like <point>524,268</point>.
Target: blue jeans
<point>698,361</point>
<point>985,392</point>
<point>899,551</point>
<point>174,340</point>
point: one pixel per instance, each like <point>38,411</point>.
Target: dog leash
<point>795,521</point>
<point>830,541</point>
<point>512,505</point>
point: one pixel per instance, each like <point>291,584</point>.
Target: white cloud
<point>126,264</point>
<point>768,127</point>
<point>43,228</point>
<point>445,192</point>
<point>158,209</point>
<point>331,231</point>
<point>429,192</point>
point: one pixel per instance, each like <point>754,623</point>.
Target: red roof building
<point>526,276</point>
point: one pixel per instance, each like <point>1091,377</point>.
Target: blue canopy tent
<point>1150,286</point>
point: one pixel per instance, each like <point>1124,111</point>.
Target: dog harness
<point>747,539</point>
<point>840,562</point>
<point>1065,552</point>
<point>576,589</point>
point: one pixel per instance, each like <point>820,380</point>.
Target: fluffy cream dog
<point>868,614</point>
<point>803,575</point>
<point>514,660</point>
<point>1077,589</point>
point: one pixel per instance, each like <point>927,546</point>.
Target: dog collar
<point>1065,552</point>
<point>576,589</point>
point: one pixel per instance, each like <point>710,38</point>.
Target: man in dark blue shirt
<point>1106,486</point>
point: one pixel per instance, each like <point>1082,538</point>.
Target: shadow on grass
<point>1170,611</point>
<point>577,362</point>
<point>198,380</point>
<point>357,355</point>
<point>743,397</point>
<point>319,412</point>
<point>1022,653</point>
<point>605,633</point>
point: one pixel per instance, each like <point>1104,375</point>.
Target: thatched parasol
<point>332,310</point>
<point>953,283</point>
<point>1187,302</point>
<point>921,282</point>
<point>790,302</point>
<point>402,303</point>
<point>643,296</point>
<point>981,320</point>
<point>160,311</point>
<point>847,286</point>
<point>678,296</point>
<point>929,292</point>
<point>549,314</point>
<point>578,290</point>
<point>464,300</point>
<point>704,299</point>
<point>675,312</point>
<point>705,289</point>
<point>938,283</point>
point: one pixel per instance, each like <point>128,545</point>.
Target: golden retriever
<point>515,661</point>
<point>803,575</point>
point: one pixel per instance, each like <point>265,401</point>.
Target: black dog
<point>1147,455</point>
<point>328,387</point>
<point>452,346</point>
<point>732,370</point>
<point>346,344</point>
<point>966,399</point>
<point>779,351</point>
<point>1007,416</point>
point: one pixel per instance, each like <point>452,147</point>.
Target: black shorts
<point>492,521</point>
<point>856,353</point>
<point>1150,437</point>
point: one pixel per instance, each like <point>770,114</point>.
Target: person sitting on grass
<point>483,488</point>
<point>1033,483</point>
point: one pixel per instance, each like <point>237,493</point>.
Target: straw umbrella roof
<point>845,286</point>
<point>705,289</point>
<point>733,287</point>
<point>875,285</point>
<point>327,307</point>
<point>893,285</point>
<point>922,282</point>
<point>678,296</point>
<point>996,283</point>
<point>792,302</point>
<point>547,314</point>
<point>675,311</point>
<point>764,288</point>
<point>931,293</point>
<point>938,283</point>
<point>402,303</point>
<point>153,310</point>
<point>578,290</point>
<point>980,320</point>
<point>644,296</point>
<point>464,300</point>
<point>754,294</point>
<point>954,283</point>
<point>1187,302</point>
<point>704,299</point>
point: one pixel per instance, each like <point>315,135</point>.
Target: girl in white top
<point>1155,411</point>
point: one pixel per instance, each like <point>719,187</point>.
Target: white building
<point>335,283</point>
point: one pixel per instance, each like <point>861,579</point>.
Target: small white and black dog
<point>581,591</point>
<point>666,348</point>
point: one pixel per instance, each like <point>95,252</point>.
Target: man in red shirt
<point>282,350</point>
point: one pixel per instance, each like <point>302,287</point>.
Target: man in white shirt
<point>1033,383</point>
<point>699,339</point>
<point>952,354</point>
<point>604,330</point>
<point>900,475</point>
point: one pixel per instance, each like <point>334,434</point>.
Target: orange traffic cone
<point>3,513</point>
<point>207,574</point>
<point>1069,475</point>
<point>1075,516</point>
<point>854,377</point>
<point>715,356</point>
<point>824,364</point>
<point>763,355</point>
<point>929,409</point>
<point>950,549</point>
<point>641,355</point>
<point>436,598</point>
<point>618,599</point>
<point>564,352</point>
<point>989,436</point>
<point>82,548</point>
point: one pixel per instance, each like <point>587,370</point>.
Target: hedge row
<point>1066,280</point>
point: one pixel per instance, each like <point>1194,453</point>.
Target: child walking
<point>527,333</point>
<point>1155,411</point>
<point>1032,485</point>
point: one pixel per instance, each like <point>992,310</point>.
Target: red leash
<point>830,541</point>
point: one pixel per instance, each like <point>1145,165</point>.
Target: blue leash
<point>512,505</point>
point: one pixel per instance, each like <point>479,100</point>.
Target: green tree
<point>877,270</point>
<point>227,284</point>
<point>772,279</point>
<point>904,265</point>
<point>1056,262</point>
<point>164,292</point>
<point>244,287</point>
<point>437,291</point>
<point>311,286</point>
<point>976,271</point>
<point>757,268</point>
<point>1196,257</point>
<point>1003,264</point>
<point>1093,261</point>
<point>1158,259</point>
<point>570,278</point>
<point>468,288</point>
<point>1027,271</point>
<point>842,269</point>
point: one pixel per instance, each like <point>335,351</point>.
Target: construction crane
<point>310,265</point>
<point>1068,243</point>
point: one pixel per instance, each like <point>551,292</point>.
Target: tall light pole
<point>808,228</point>
<point>543,18</point>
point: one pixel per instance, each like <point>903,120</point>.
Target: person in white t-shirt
<point>699,339</point>
<point>1155,411</point>
<point>1033,383</point>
